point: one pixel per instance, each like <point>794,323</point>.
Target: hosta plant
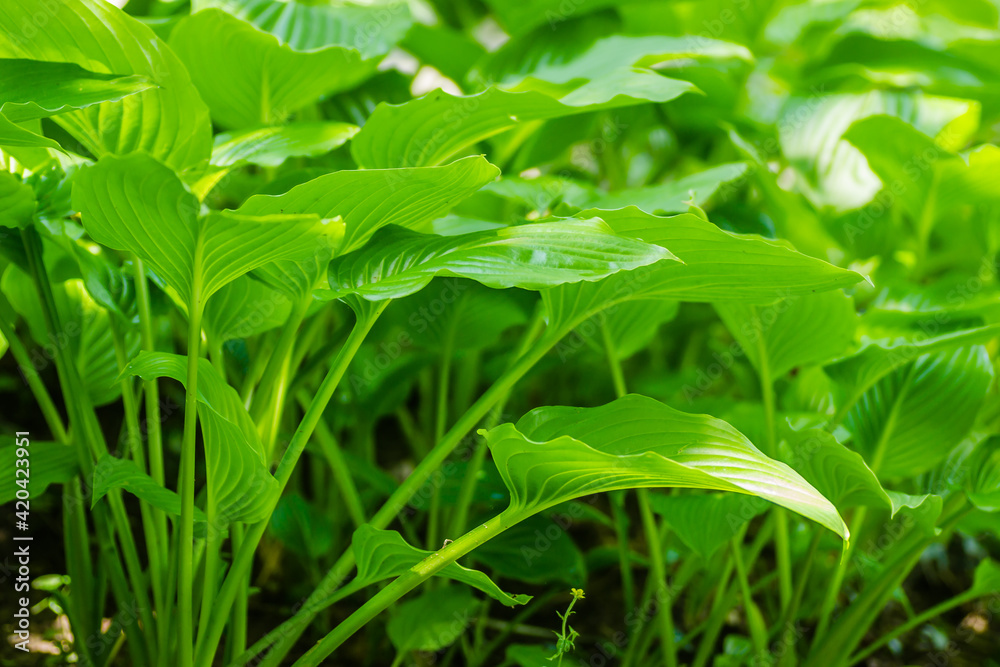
<point>376,332</point>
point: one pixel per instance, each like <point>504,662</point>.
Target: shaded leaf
<point>384,554</point>
<point>239,481</point>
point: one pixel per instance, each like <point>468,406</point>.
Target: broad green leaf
<point>244,308</point>
<point>384,554</point>
<point>249,77</point>
<point>520,17</point>
<point>366,201</point>
<point>792,332</point>
<point>32,89</point>
<point>910,420</point>
<point>270,146</point>
<point>302,527</point>
<point>39,89</point>
<point>606,57</point>
<point>134,203</point>
<point>717,266</point>
<point>432,128</point>
<point>239,482</point>
<point>982,484</point>
<point>706,521</point>
<point>556,454</point>
<point>837,472</point>
<point>51,463</point>
<point>673,197</point>
<point>111,473</point>
<point>833,172</point>
<point>399,262</point>
<point>875,359</point>
<point>929,181</point>
<point>170,122</point>
<point>372,28</point>
<point>449,51</point>
<point>986,580</point>
<point>369,199</point>
<point>630,326</point>
<point>84,329</point>
<point>539,550</point>
<point>433,621</point>
<point>17,202</point>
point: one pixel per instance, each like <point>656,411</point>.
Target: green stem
<point>238,624</point>
<point>135,448</point>
<point>185,570</point>
<point>440,423</point>
<point>407,582</point>
<point>781,542</point>
<point>154,458</point>
<point>420,475</point>
<point>209,640</point>
<point>338,465</point>
<point>468,488</point>
<point>659,572</point>
<point>757,634</point>
<point>932,613</point>
<point>34,381</point>
<point>86,427</point>
<point>278,361</point>
<point>617,501</point>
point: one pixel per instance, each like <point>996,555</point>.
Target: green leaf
<point>911,419</point>
<point>539,550</point>
<point>249,77</point>
<point>604,58</point>
<point>458,315</point>
<point>632,325</point>
<point>520,17</point>
<point>706,521</point>
<point>673,197</point>
<point>840,474</point>
<point>716,266</point>
<point>170,122</point>
<point>366,201</point>
<point>302,527</point>
<point>244,308</point>
<point>38,89</point>
<point>399,262</point>
<point>369,199</point>
<point>556,454</point>
<point>982,484</point>
<point>51,463</point>
<point>986,580</point>
<point>134,203</point>
<point>792,332</point>
<point>239,482</point>
<point>384,554</point>
<point>270,146</point>
<point>32,89</point>
<point>832,171</point>
<point>111,473</point>
<point>929,181</point>
<point>85,331</point>
<point>17,202</point>
<point>372,28</point>
<point>432,621</point>
<point>875,359</point>
<point>430,129</point>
